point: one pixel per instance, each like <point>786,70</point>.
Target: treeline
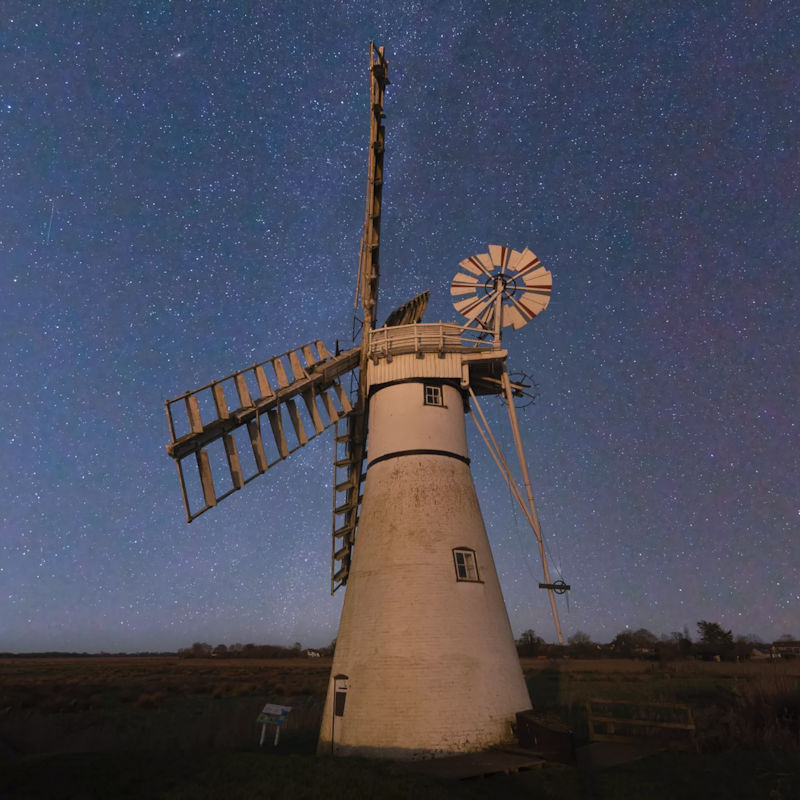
<point>713,642</point>
<point>205,650</point>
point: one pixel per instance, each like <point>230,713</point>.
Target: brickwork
<point>431,663</point>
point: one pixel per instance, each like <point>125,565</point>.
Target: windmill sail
<point>409,312</point>
<point>263,392</point>
<point>350,444</point>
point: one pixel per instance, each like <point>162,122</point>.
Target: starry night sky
<point>182,193</point>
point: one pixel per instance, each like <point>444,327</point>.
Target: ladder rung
<point>341,574</point>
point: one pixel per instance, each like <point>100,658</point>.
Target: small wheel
<point>523,389</point>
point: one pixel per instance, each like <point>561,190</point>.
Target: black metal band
<point>375,388</point>
<point>398,453</point>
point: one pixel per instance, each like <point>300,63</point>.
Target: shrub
<point>765,713</point>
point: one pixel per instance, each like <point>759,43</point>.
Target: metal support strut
<point>526,504</point>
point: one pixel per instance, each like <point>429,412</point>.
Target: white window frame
<point>466,565</point>
<point>433,395</point>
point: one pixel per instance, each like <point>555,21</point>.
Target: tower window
<point>466,566</point>
<point>433,395</point>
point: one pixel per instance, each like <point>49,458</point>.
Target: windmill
<point>425,662</point>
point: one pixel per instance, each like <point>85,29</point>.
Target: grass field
<point>182,728</point>
<point>748,704</point>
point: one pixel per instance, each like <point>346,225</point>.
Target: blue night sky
<point>181,195</point>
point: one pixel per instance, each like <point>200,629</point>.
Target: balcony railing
<point>425,337</point>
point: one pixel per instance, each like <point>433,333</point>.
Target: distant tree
<point>220,651</point>
<point>622,644</point>
<point>786,637</point>
<point>634,644</point>
<point>676,645</point>
<point>744,645</point>
<point>714,640</point>
<point>199,650</point>
<point>580,645</point>
<point>529,644</point>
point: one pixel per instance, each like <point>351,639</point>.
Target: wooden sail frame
<point>263,390</point>
<point>350,443</point>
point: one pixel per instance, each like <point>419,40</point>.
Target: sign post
<point>273,715</point>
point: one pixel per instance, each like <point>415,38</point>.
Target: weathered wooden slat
<point>322,350</point>
<point>343,398</point>
<point>348,505</point>
<point>309,398</point>
<point>308,355</point>
<point>280,373</point>
<point>207,482</point>
<point>263,384</point>
<point>297,423</point>
<point>297,368</point>
<point>345,484</point>
<point>339,576</point>
<point>276,422</point>
<point>254,429</point>
<point>245,401</point>
<point>330,408</point>
<point>233,461</point>
<point>182,482</point>
<point>220,402</point>
<point>193,413</point>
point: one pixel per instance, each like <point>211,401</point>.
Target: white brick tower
<point>425,662</point>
